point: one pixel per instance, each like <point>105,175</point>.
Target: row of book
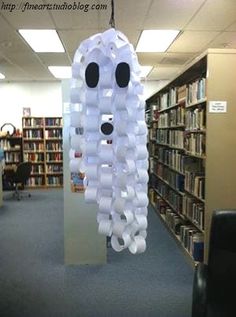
<point>152,148</point>
<point>152,194</point>
<point>51,180</point>
<point>5,144</point>
<point>12,157</point>
<point>195,119</point>
<point>193,241</point>
<point>169,195</point>
<point>191,182</point>
<point>35,181</point>
<point>195,183</point>
<point>174,138</point>
<point>193,92</point>
<point>33,134</point>
<point>168,99</point>
<point>175,189</point>
<point>148,117</point>
<point>33,146</point>
<point>175,117</point>
<point>196,91</point>
<point>193,209</point>
<point>195,143</point>
<point>53,122</point>
<point>152,131</point>
<point>54,157</point>
<point>53,133</point>
<point>190,237</point>
<point>55,180</point>
<point>162,136</point>
<point>154,112</point>
<point>54,146</point>
<point>37,169</point>
<point>174,179</point>
<point>172,158</point>
<point>32,122</point>
<point>54,168</point>
<point>34,157</point>
<point>152,164</point>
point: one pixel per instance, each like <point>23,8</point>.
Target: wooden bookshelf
<point>12,146</point>
<point>192,155</point>
<point>42,145</point>
<point>13,155</point>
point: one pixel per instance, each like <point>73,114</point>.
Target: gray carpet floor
<point>34,282</point>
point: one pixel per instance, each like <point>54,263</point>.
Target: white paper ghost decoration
<point>108,128</point>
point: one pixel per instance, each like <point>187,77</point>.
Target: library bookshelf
<point>192,146</point>
<point>42,145</point>
<point>13,155</point>
<point>12,146</point>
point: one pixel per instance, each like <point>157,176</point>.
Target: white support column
<point>82,242</point>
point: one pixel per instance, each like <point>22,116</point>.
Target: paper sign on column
<point>218,106</point>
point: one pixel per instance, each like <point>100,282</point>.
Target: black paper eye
<point>107,128</point>
<point>122,75</point>
<point>92,75</point>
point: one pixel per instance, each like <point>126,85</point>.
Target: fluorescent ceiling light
<point>145,70</point>
<point>156,40</point>
<point>43,41</point>
<point>2,76</point>
<point>60,72</point>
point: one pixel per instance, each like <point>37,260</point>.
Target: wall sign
<point>218,106</point>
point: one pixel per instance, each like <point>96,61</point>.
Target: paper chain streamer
<point>108,128</point>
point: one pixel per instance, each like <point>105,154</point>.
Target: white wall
<point>153,86</point>
<point>44,99</point>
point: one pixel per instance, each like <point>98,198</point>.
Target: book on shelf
<point>197,250</point>
<point>196,91</point>
<point>195,119</point>
<point>154,113</point>
<point>32,122</point>
<point>195,143</point>
<point>181,93</point>
<point>193,209</point>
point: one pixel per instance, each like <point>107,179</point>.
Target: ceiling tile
<point>38,73</point>
<point>224,40</point>
<point>131,14</point>
<point>72,38</point>
<point>14,73</point>
<point>176,58</point>
<point>84,18</point>
<point>214,15</point>
<point>10,42</point>
<point>23,16</point>
<point>150,58</point>
<point>232,27</point>
<point>163,73</point>
<point>23,59</point>
<point>81,17</point>
<point>9,39</point>
<point>192,41</point>
<point>51,59</point>
<point>171,14</point>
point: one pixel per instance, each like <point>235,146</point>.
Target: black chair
<point>214,285</point>
<point>20,177</point>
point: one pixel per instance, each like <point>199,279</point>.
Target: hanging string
<point>112,19</point>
